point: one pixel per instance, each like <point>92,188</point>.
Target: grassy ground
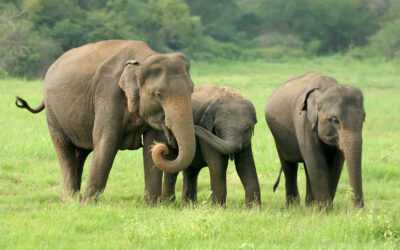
<point>33,217</point>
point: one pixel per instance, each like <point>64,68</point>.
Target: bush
<point>274,39</point>
<point>3,73</point>
<point>23,51</point>
<point>387,41</point>
<point>336,24</point>
<point>208,49</point>
<point>276,53</point>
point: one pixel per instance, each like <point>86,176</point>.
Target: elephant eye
<point>157,93</point>
<point>333,119</point>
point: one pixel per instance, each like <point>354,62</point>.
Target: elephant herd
<point>115,95</point>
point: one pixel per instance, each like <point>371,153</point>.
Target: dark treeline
<point>34,32</point>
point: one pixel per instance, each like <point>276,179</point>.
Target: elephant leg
<point>81,155</point>
<point>335,169</point>
<point>246,170</point>
<point>217,165</point>
<point>308,199</point>
<point>168,188</point>
<point>189,190</point>
<point>70,164</point>
<point>318,185</point>
<point>292,192</point>
<point>152,175</point>
<point>103,156</point>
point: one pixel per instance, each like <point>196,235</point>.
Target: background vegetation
<point>34,32</point>
<point>32,216</point>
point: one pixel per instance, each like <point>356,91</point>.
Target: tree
<point>218,17</point>
<point>330,22</point>
<point>22,50</point>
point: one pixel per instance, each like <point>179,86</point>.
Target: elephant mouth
<point>171,141</point>
<point>331,140</point>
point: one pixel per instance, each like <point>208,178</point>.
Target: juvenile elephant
<point>318,122</point>
<point>100,97</point>
<point>224,123</point>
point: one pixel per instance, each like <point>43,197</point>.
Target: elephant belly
<point>73,119</point>
<point>289,151</point>
<point>286,141</point>
<point>131,141</point>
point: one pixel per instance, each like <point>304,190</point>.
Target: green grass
<point>32,215</point>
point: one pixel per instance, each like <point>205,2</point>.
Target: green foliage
<point>331,22</point>
<point>23,51</point>
<point>40,30</point>
<point>209,49</point>
<point>384,44</point>
<point>175,28</point>
<point>218,17</point>
<point>387,41</point>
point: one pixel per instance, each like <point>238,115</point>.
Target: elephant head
<point>227,124</point>
<point>158,90</point>
<point>336,115</point>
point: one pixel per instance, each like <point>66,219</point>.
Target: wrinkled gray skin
<point>318,122</point>
<point>224,126</point>
<point>101,97</point>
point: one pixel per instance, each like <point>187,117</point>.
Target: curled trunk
<point>351,145</point>
<point>179,119</point>
<point>222,146</point>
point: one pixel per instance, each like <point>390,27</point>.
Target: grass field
<point>32,215</point>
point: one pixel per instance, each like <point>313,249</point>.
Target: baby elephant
<point>224,126</point>
<point>318,122</point>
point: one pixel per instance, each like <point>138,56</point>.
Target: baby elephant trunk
<point>222,146</point>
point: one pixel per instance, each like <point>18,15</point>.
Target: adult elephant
<point>101,96</point>
<point>317,121</point>
<point>224,124</point>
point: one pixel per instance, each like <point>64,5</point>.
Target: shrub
<point>279,39</point>
<point>387,41</point>
<point>336,24</point>
<point>276,53</point>
<point>208,49</point>
<point>22,50</point>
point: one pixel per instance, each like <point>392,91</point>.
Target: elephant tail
<point>278,180</point>
<point>21,103</point>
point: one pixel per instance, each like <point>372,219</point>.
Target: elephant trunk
<point>351,146</point>
<point>179,119</point>
<point>222,146</point>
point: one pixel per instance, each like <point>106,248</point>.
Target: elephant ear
<point>129,84</point>
<point>208,118</point>
<point>310,106</point>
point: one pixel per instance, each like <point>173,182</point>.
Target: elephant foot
<point>70,197</point>
<point>151,199</point>
<point>358,203</point>
<point>292,201</point>
<point>253,200</point>
<point>218,201</point>
<point>168,198</point>
<point>189,203</point>
<point>91,196</point>
<point>253,205</point>
<point>320,205</point>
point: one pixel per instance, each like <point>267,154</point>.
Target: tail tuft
<point>21,103</point>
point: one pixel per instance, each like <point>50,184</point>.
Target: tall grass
<point>32,215</point>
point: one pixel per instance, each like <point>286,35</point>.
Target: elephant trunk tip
<point>159,149</point>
